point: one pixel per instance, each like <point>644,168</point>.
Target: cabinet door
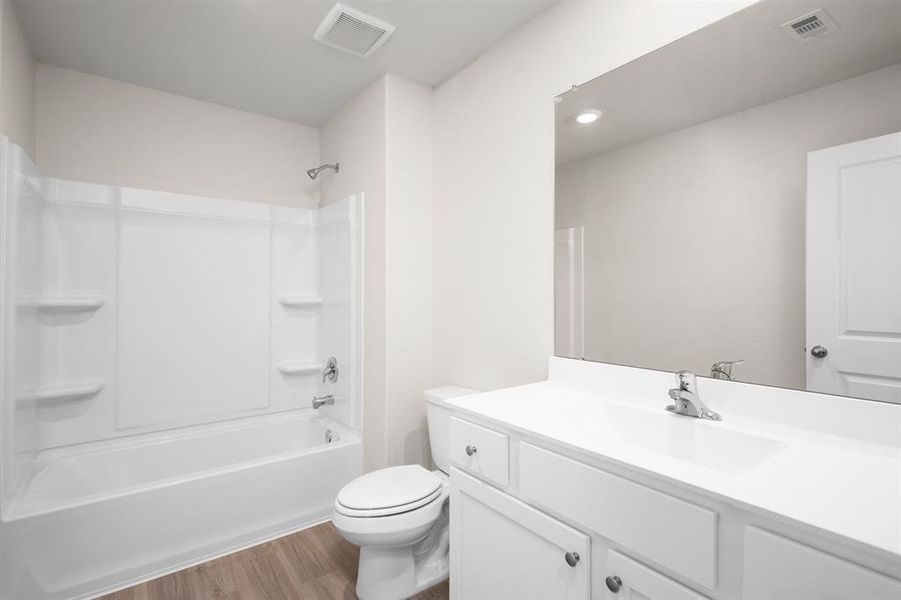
<point>502,549</point>
<point>627,579</point>
<point>776,568</point>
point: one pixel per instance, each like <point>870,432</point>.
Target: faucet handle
<point>723,369</point>
<point>330,371</point>
<point>687,381</point>
<point>728,363</point>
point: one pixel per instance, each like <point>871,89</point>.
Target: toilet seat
<point>390,491</point>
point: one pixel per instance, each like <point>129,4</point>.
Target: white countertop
<point>840,485</point>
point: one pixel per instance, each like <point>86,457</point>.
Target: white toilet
<point>399,516</point>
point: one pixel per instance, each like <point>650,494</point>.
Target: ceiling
<point>742,61</point>
<point>259,55</point>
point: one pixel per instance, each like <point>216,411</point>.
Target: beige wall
<point>694,240</point>
<point>382,138</point>
<point>17,82</point>
<point>493,216</point>
<point>408,279</point>
<point>104,131</point>
<point>355,137</point>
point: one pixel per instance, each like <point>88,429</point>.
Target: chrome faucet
<point>330,371</point>
<point>323,401</point>
<point>688,401</point>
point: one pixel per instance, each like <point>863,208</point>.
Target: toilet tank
<point>438,420</point>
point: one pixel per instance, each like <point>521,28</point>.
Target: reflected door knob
<point>819,352</point>
<point>470,450</point>
<point>614,583</point>
<point>572,558</point>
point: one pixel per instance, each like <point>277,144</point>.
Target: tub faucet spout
<point>323,401</point>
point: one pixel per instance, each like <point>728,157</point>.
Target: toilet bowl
<point>399,516</point>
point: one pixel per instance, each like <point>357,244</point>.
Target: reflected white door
<point>854,269</point>
<point>568,292</point>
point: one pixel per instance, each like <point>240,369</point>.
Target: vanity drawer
<point>671,532</point>
<point>480,451</point>
<point>632,579</point>
<point>776,568</point>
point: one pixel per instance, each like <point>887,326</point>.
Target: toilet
<point>399,516</point>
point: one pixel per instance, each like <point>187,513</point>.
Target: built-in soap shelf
<point>60,393</point>
<point>300,301</point>
<point>64,304</point>
<point>300,368</point>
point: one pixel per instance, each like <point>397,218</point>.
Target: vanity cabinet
<point>531,522</point>
<point>502,549</point>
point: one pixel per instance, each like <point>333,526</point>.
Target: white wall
<point>493,215</point>
<point>17,82</point>
<point>104,131</point>
<point>408,281</point>
<point>382,138</point>
<point>714,214</point>
<point>355,137</point>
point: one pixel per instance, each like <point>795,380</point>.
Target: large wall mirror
<point>731,203</point>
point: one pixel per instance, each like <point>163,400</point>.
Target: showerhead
<point>314,173</point>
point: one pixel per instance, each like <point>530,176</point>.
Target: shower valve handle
<point>330,371</point>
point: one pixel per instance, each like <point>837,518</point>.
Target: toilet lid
<point>389,488</point>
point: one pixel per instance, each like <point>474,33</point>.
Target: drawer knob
<point>572,558</point>
<point>614,583</point>
<point>470,450</point>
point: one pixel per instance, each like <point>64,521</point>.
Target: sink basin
<point>705,443</point>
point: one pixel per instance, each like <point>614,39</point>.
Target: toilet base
<point>397,573</point>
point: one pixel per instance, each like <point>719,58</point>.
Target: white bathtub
<point>111,514</point>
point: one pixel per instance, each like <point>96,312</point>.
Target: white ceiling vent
<point>811,26</point>
<point>352,31</point>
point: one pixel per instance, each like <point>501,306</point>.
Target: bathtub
<point>104,516</point>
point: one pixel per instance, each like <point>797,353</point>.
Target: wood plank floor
<point>313,564</point>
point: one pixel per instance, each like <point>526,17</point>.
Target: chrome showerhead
<point>314,173</point>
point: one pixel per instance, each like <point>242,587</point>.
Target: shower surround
<point>159,353</point>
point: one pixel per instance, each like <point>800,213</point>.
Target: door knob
<point>572,558</point>
<point>819,352</point>
<point>470,450</point>
<point>614,583</point>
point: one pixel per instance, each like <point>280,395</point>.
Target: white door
<point>568,292</point>
<point>627,579</point>
<point>854,269</point>
<point>502,549</point>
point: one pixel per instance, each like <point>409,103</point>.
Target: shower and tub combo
<point>160,358</point>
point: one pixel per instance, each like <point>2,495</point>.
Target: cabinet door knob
<point>572,558</point>
<point>819,352</point>
<point>614,583</point>
<point>470,450</point>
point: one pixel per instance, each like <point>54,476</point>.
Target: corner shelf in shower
<point>300,368</point>
<point>68,304</point>
<point>300,301</point>
<point>60,393</point>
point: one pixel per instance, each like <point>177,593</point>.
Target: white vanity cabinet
<point>530,521</point>
<point>502,549</point>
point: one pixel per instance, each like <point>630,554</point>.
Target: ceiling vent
<point>352,31</point>
<point>811,26</point>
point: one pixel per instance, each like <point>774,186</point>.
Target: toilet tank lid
<point>440,395</point>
